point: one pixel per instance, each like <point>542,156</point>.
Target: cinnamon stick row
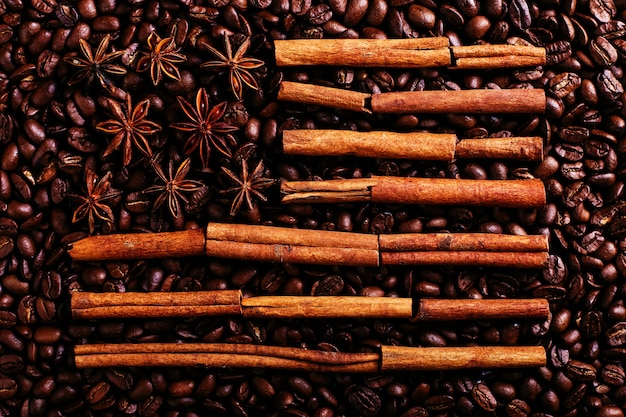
<point>403,53</point>
<point>390,358</point>
<point>276,244</point>
<point>410,190</point>
<point>87,305</point>
<point>415,145</point>
<point>428,101</point>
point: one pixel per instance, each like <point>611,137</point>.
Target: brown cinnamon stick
<point>86,305</point>
<point>496,56</point>
<point>323,96</point>
<point>391,358</point>
<point>403,190</point>
<point>415,145</point>
<point>400,358</point>
<point>529,260</point>
<point>402,242</point>
<point>461,101</point>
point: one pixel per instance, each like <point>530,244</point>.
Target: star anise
<point>130,127</point>
<point>174,186</point>
<point>161,58</point>
<point>94,205</point>
<point>205,126</point>
<point>239,67</point>
<point>95,65</point>
<point>247,185</point>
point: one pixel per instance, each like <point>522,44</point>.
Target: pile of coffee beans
<point>92,135</point>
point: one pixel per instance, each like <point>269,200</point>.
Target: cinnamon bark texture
<point>416,145</point>
<point>403,53</point>
<point>391,358</point>
<point>531,260</point>
<point>87,305</point>
<point>400,358</point>
<point>403,190</point>
<point>461,101</point>
<point>323,96</point>
<point>139,246</point>
<point>402,242</point>
<point>471,309</point>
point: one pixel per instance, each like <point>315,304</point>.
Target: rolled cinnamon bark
<point>483,309</point>
<point>496,56</point>
<point>461,101</point>
<point>323,96</point>
<point>528,260</point>
<point>403,190</point>
<point>415,145</point>
<point>402,242</point>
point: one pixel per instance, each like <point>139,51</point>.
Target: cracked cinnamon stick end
<point>378,144</point>
<point>525,260</point>
<point>86,305</point>
<point>461,101</point>
<point>520,148</point>
<point>399,242</point>
<point>323,96</point>
<point>139,246</point>
<point>400,358</point>
<point>496,56</point>
<point>438,309</point>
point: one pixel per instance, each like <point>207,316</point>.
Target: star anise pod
<point>161,58</point>
<point>174,186</point>
<point>247,185</point>
<point>205,126</point>
<point>95,204</point>
<point>95,65</point>
<point>130,127</point>
<point>238,65</point>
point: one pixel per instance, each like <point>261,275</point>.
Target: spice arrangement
<point>137,118</point>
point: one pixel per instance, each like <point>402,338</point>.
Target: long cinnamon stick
<point>461,101</point>
<point>402,242</point>
<point>403,190</point>
<point>532,260</point>
<point>415,145</point>
<point>404,53</point>
<point>391,358</point>
<point>86,305</point>
<point>429,101</point>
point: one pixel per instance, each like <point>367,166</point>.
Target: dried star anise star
<point>130,127</point>
<point>205,126</point>
<point>239,66</point>
<point>174,186</point>
<point>161,58</point>
<point>94,204</point>
<point>95,65</point>
<point>247,185</point>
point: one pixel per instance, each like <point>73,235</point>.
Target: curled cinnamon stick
<point>403,190</point>
<point>323,96</point>
<point>496,56</point>
<point>391,358</point>
<point>86,305</point>
<point>402,242</point>
<point>529,260</point>
<point>415,145</point>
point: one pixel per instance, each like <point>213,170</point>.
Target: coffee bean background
<point>49,141</point>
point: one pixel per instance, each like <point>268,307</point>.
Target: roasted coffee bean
<point>580,371</point>
<point>616,335</point>
<point>365,401</point>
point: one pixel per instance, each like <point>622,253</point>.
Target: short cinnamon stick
<point>496,56</point>
<point>461,101</point>
<point>403,190</point>
<point>528,260</point>
<point>415,145</point>
<point>391,358</point>
<point>400,358</point>
<point>323,96</point>
<point>86,305</point>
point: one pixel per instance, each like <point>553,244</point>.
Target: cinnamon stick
<point>461,101</point>
<point>402,242</point>
<point>415,145</point>
<point>391,358</point>
<point>323,96</point>
<point>496,56</point>
<point>86,305</point>
<point>528,260</point>
<point>403,190</point>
